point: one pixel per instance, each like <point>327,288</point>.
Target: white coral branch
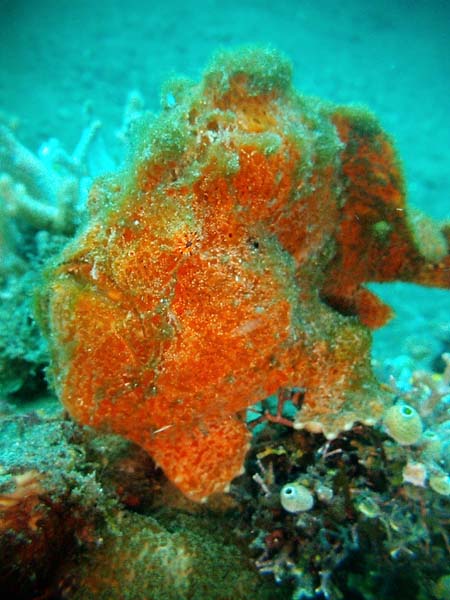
<point>45,190</point>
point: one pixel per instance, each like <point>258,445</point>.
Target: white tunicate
<point>295,498</point>
<point>415,473</point>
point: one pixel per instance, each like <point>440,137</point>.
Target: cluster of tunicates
<point>404,424</point>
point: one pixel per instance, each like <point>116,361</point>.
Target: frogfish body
<point>226,261</point>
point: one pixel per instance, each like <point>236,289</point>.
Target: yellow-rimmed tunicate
<point>403,423</point>
<point>295,497</point>
<point>440,483</point>
<point>431,445</point>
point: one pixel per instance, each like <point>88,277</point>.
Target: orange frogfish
<point>227,261</point>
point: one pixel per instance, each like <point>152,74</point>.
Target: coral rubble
<point>370,534</point>
<point>226,261</point>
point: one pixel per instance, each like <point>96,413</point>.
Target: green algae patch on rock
<point>143,559</point>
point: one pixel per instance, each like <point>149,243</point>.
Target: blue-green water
<point>59,58</point>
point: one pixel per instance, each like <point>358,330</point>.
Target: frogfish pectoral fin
<point>379,238</point>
